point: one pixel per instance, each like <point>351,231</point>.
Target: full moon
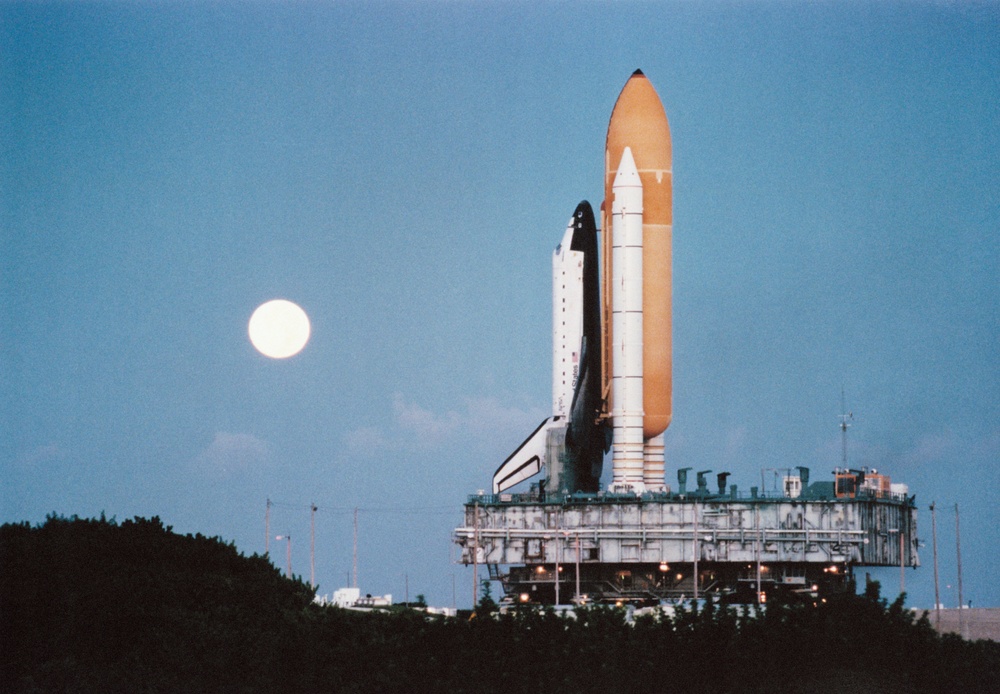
<point>279,329</point>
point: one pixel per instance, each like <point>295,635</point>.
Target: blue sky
<point>403,171</point>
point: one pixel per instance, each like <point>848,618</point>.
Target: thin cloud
<point>366,441</point>
<point>428,427</point>
<point>41,455</point>
<point>232,453</point>
<point>480,419</point>
<point>736,441</point>
<point>931,448</point>
<point>988,446</point>
<point>489,417</point>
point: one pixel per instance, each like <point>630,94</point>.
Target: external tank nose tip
<point>638,72</point>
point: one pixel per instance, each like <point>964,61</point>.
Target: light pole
<point>937,591</point>
<point>958,551</point>
<point>759,547</point>
<point>578,596</point>
<point>697,550</point>
<point>558,551</point>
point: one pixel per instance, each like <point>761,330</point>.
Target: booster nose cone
<point>627,175</point>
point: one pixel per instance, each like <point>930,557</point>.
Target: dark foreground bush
<point>94,606</point>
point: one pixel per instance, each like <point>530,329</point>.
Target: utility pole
<point>958,549</point>
<point>355,565</point>
<point>312,546</point>
<point>937,589</point>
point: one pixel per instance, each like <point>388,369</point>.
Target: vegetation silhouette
<point>98,606</point>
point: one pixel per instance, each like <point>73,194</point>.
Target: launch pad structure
<point>803,541</point>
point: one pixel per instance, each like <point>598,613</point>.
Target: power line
<point>364,509</point>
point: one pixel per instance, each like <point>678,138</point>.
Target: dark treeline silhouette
<point>97,606</point>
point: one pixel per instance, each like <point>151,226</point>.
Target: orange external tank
<point>639,122</point>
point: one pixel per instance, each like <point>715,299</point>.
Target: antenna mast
<point>844,424</point>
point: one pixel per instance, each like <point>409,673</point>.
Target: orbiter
<point>611,351</point>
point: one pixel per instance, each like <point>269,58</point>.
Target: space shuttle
<point>611,313</point>
<point>571,443</point>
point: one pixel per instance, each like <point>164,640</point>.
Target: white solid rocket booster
<point>626,384</point>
